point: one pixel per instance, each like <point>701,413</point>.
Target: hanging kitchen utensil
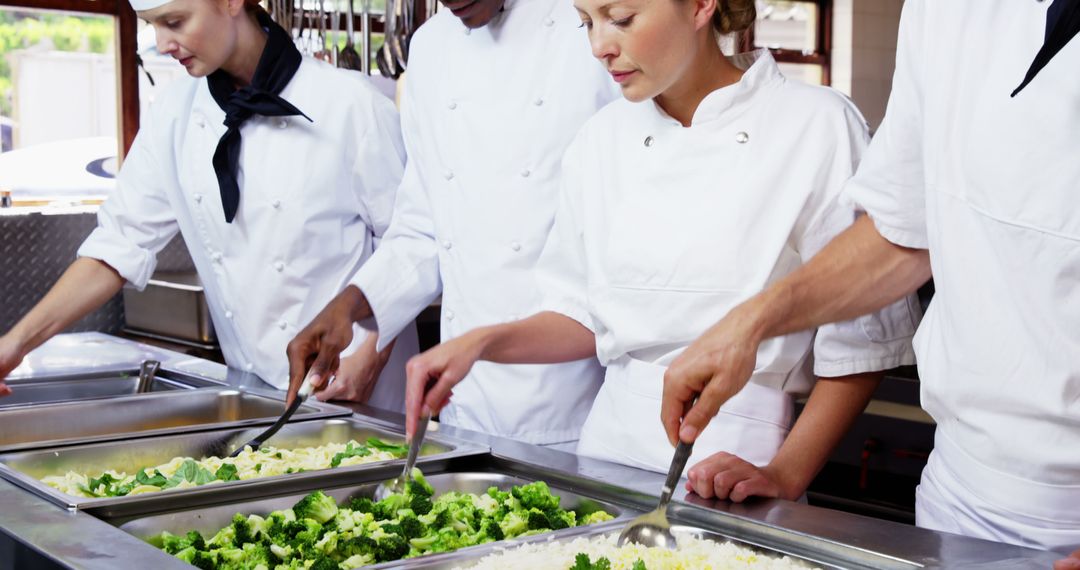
<point>323,52</point>
<point>335,32</point>
<point>385,58</point>
<point>348,58</point>
<point>365,35</point>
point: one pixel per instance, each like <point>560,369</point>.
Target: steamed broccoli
<point>536,495</point>
<point>198,558</point>
<point>247,558</point>
<point>355,561</point>
<point>172,544</point>
<point>316,506</point>
<point>418,485</point>
<point>595,517</point>
<point>361,504</point>
<point>537,520</point>
<point>410,527</point>
<point>241,530</point>
<point>420,504</point>
<point>493,531</point>
<point>392,547</point>
<point>324,563</point>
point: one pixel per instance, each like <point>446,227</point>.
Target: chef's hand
<point>712,369</point>
<point>726,476</point>
<point>1070,563</point>
<point>316,350</point>
<point>11,354</point>
<point>358,374</point>
<point>431,376</point>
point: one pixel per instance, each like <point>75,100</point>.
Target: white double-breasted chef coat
<point>487,114</point>
<point>663,229</point>
<point>990,184</point>
<point>314,199</point>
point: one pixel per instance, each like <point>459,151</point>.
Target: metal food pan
<point>209,520</point>
<point>463,559</point>
<point>27,468</point>
<point>50,425</point>
<point>92,385</point>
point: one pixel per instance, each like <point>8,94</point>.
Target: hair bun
<point>734,16</point>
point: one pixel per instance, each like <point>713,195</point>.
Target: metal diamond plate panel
<point>35,249</point>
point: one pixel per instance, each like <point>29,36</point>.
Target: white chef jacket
<point>486,115</point>
<point>663,229</point>
<point>989,184</point>
<point>314,198</point>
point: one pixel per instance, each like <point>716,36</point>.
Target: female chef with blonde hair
<point>714,177</point>
<point>278,170</point>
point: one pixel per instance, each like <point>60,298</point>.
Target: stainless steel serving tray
<point>50,425</point>
<point>209,520</point>
<point>92,385</point>
<point>27,468</point>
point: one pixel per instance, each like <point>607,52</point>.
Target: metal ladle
<point>396,485</point>
<point>653,528</point>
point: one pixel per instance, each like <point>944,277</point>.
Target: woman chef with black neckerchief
<point>279,171</point>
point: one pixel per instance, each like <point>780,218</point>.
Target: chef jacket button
<point>198,198</point>
<point>525,173</point>
<point>549,22</point>
<point>741,137</point>
<point>538,102</point>
<point>200,122</point>
<point>452,106</point>
<point>282,123</point>
<point>282,324</point>
<point>447,244</point>
<point>249,367</point>
<point>448,175</point>
<point>276,204</point>
<point>468,31</point>
<point>449,315</point>
<point>228,314</point>
<point>216,256</point>
<point>515,246</point>
<point>649,141</point>
<point>280,266</point>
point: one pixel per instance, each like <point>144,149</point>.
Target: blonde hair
<point>734,16</point>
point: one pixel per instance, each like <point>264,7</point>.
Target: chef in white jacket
<point>974,176</point>
<point>708,182</point>
<point>494,93</point>
<point>278,170</point>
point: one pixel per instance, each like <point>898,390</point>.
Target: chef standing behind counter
<point>714,177</point>
<point>974,175</point>
<point>280,172</point>
<point>494,93</point>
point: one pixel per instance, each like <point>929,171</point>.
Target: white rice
<point>692,554</point>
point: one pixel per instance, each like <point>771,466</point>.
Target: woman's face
<point>646,45</point>
<point>200,34</point>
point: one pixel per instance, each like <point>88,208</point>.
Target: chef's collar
<point>759,71</point>
<point>143,5</point>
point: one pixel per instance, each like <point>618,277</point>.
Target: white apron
<point>624,424</point>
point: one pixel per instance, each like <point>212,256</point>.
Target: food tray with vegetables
<point>146,475</point>
<point>344,528</point>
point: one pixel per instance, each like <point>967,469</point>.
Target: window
<point>60,117</point>
<point>797,32</point>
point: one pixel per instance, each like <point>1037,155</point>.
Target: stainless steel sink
<point>93,385</point>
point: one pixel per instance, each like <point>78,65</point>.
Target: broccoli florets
<point>418,485</point>
<point>172,543</point>
<point>537,520</point>
<point>595,517</point>
<point>391,547</point>
<point>241,530</point>
<point>410,527</point>
<point>514,524</point>
<point>358,546</point>
<point>355,561</point>
<point>361,505</point>
<point>324,563</point>
<point>536,495</point>
<point>316,506</point>
<point>198,558</point>
<point>493,531</point>
<point>420,504</point>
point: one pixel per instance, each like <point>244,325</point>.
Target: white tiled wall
<point>864,52</point>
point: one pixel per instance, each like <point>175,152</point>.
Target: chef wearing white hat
<point>278,170</point>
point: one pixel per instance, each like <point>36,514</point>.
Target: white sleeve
<point>137,220</point>
<point>380,163</point>
<point>402,277</point>
<point>561,269</point>
<point>890,183</point>
<point>873,342</point>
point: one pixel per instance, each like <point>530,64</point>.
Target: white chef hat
<point>141,5</point>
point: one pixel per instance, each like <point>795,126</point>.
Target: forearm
<point>859,272</point>
<point>85,285</point>
<point>833,406</point>
<point>544,338</point>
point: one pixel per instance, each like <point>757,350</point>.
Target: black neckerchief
<point>278,63</point>
<point>1062,24</point>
